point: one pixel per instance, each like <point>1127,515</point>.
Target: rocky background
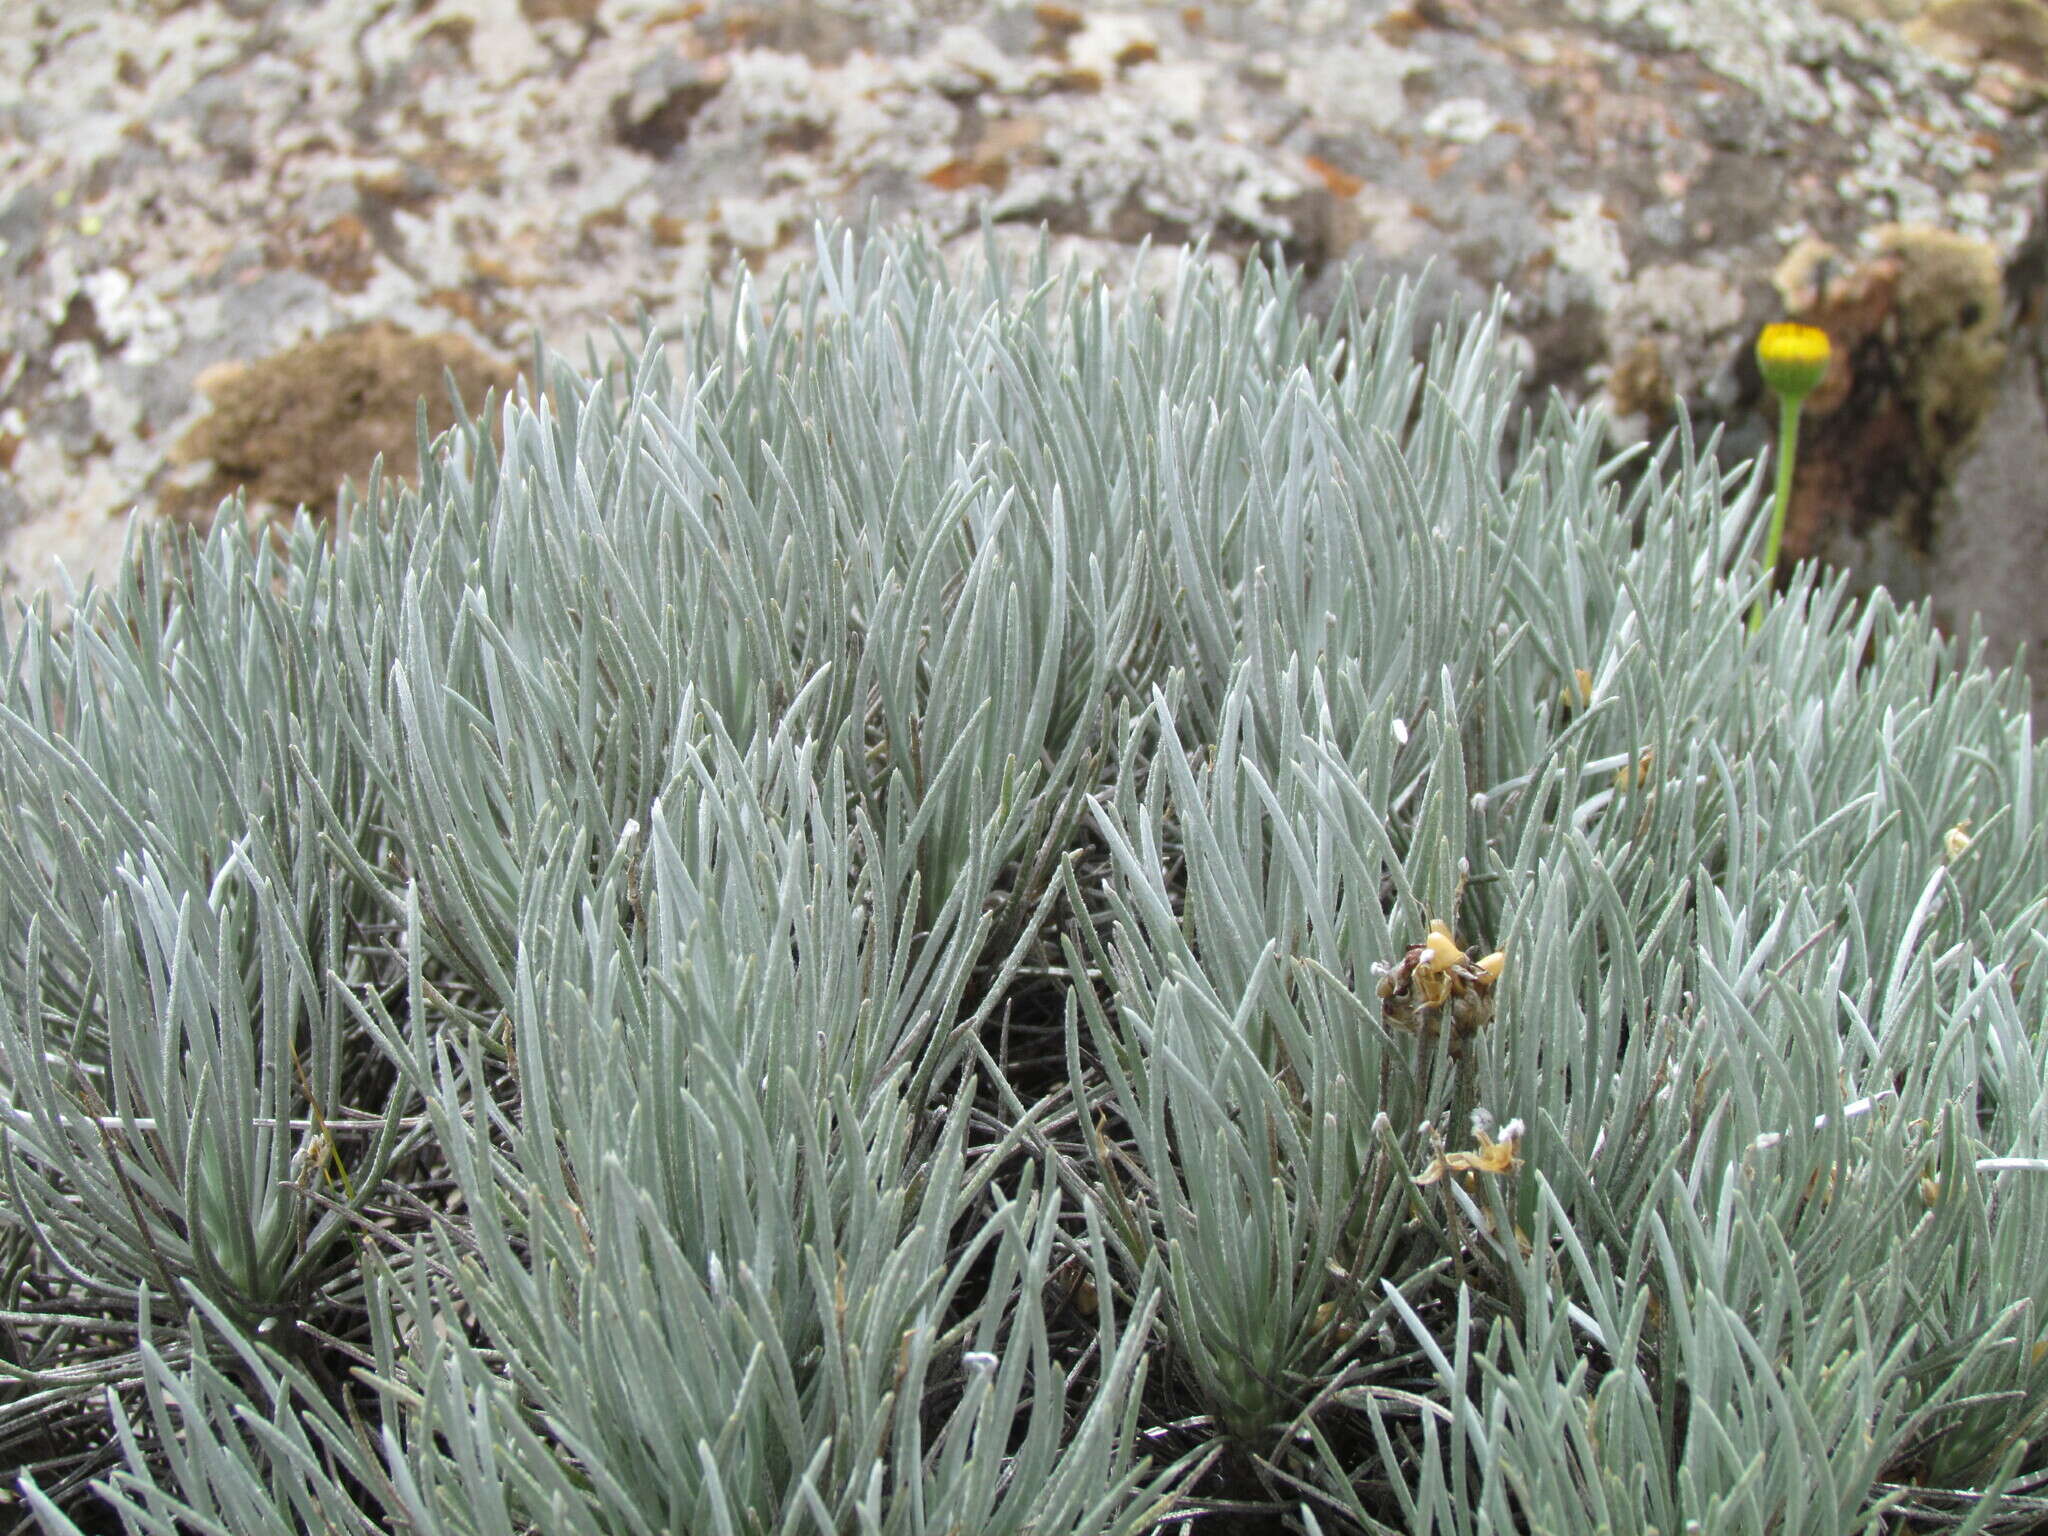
<point>239,239</point>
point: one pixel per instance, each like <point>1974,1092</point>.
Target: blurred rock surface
<point>192,186</point>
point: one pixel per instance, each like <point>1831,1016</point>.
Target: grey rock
<point>1990,523</point>
<point>21,228</point>
<point>1632,172</point>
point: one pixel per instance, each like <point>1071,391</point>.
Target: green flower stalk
<point>1794,359</point>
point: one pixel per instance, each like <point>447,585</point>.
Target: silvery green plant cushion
<point>967,904</point>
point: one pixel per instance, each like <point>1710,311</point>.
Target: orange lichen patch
<point>1340,181</point>
<point>988,161</point>
<point>957,175</point>
<point>289,428</point>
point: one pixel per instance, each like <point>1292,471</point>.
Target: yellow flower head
<point>1631,773</point>
<point>1794,359</point>
<point>1441,950</point>
<point>1955,842</point>
<point>1436,977</point>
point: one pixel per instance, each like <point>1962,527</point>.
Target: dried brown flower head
<point>1435,980</point>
